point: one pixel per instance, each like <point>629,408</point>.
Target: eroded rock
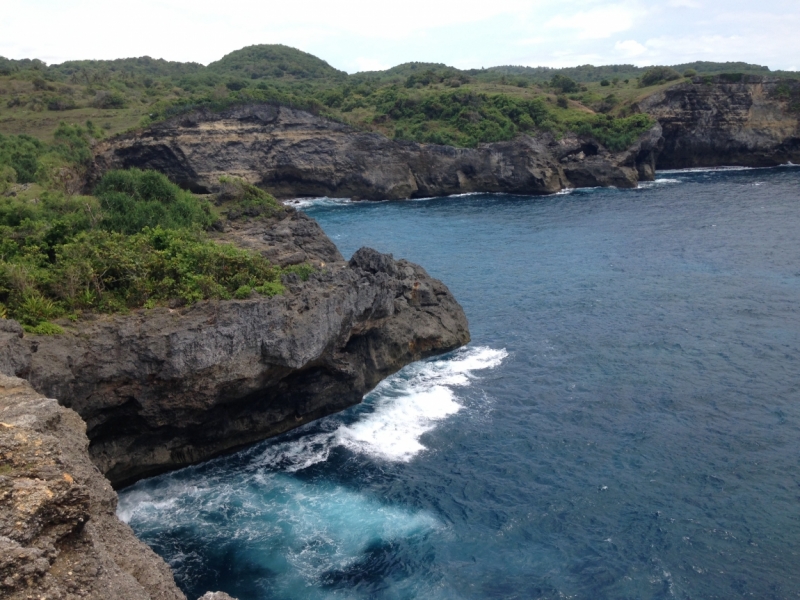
<point>293,153</point>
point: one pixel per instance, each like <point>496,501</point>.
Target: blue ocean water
<point>625,423</point>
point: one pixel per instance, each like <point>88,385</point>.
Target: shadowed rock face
<point>711,122</point>
<point>292,153</point>
<point>165,388</point>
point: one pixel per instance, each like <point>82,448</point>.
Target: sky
<point>359,35</point>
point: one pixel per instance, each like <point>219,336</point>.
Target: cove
<point>623,425</point>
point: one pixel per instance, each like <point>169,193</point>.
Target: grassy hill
<point>426,102</point>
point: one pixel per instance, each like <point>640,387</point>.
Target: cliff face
<point>165,388</point>
<point>709,122</point>
<point>293,153</point>
<point>59,535</point>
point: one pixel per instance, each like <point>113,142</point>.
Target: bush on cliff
<point>139,243</point>
<point>134,199</point>
<point>658,75</point>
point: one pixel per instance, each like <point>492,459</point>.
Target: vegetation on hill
<point>138,241</point>
<point>424,102</point>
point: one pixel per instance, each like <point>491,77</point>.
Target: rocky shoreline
<point>704,122</point>
<point>156,390</point>
<point>293,153</point>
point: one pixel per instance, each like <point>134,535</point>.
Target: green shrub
<point>658,75</point>
<point>136,199</point>
<point>605,83</point>
<point>35,308</point>
<point>21,152</point>
<point>690,73</point>
<point>8,177</point>
<point>45,328</point>
<point>106,99</point>
<point>303,270</point>
<point>270,289</point>
<point>616,134</point>
<point>563,83</point>
<point>243,292</point>
<point>248,200</point>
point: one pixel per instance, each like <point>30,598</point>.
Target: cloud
<point>630,48</point>
<point>360,34</point>
<point>370,64</point>
<point>598,23</point>
<point>683,4</point>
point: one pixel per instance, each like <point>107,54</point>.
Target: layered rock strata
<point>293,153</point>
<point>747,120</point>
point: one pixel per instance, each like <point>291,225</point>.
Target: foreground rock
<point>714,121</point>
<point>293,153</point>
<point>59,536</point>
<point>166,388</point>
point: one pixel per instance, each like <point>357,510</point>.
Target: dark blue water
<point>625,423</point>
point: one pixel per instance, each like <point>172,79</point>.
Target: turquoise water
<point>625,423</point>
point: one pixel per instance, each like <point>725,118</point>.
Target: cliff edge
<point>59,535</point>
<point>742,120</point>
<point>168,387</point>
<point>293,153</point>
<point>158,389</point>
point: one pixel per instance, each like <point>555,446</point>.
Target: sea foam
<point>404,408</point>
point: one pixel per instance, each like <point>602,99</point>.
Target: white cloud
<point>683,4</point>
<point>370,64</point>
<point>598,23</point>
<point>630,48</point>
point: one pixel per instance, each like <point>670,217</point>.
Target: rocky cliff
<point>155,390</point>
<point>169,387</point>
<point>59,535</point>
<point>743,120</point>
<point>292,153</point>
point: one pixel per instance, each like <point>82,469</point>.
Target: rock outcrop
<point>160,389</point>
<point>59,535</point>
<point>292,153</point>
<point>746,120</point>
<point>165,388</point>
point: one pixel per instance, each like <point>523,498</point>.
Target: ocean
<point>624,424</point>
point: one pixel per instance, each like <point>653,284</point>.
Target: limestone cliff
<point>293,153</point>
<point>748,121</point>
<point>59,535</point>
<point>165,388</point>
<point>159,389</point>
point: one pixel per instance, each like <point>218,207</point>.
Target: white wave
<point>393,431</point>
<point>406,406</point>
<point>137,502</point>
<point>323,201</point>
<point>663,181</point>
<point>721,169</point>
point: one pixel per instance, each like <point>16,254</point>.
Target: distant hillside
<point>274,61</point>
<point>590,73</point>
<point>424,102</point>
